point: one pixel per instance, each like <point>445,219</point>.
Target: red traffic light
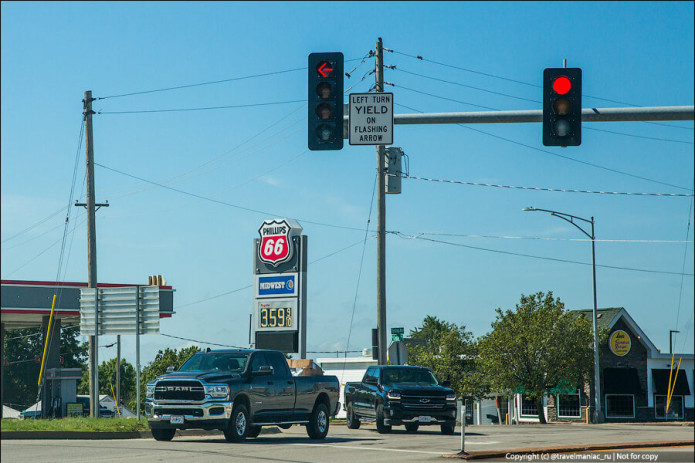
<point>562,85</point>
<point>324,69</point>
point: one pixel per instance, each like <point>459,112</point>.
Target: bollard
<point>463,429</point>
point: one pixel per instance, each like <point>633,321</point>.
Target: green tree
<point>20,349</point>
<point>107,378</point>
<point>164,359</point>
<point>449,351</point>
<point>537,348</point>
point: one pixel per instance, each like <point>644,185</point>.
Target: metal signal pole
<point>381,221</point>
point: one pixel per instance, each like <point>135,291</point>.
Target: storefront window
<point>528,405</point>
<point>620,406</point>
<point>568,406</point>
<point>675,407</point>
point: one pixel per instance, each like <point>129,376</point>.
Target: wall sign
<point>619,343</point>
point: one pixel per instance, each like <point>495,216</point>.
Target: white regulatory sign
<point>371,119</point>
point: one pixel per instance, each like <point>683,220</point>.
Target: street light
<point>598,416</point>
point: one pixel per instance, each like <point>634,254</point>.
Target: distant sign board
<point>74,409</point>
<point>371,119</point>
<point>276,315</point>
<point>620,343</point>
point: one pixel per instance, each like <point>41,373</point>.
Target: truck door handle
<point>270,382</point>
<point>289,382</point>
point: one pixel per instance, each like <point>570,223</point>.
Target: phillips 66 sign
<point>276,243</point>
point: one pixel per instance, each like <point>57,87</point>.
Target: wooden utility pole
<point>92,257</point>
<point>381,221</point>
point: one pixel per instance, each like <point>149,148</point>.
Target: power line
<point>460,182</point>
<point>252,105</point>
<point>497,251</point>
<point>539,238</point>
<point>213,82</point>
<point>497,109</point>
<point>224,203</point>
<point>560,155</point>
<point>528,84</point>
<point>201,342</point>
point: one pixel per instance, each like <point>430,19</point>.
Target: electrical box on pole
<point>562,107</point>
<point>325,122</point>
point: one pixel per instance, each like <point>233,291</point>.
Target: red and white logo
<point>276,242</point>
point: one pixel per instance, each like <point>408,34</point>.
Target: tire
<point>411,427</point>
<point>318,423</point>
<point>253,431</point>
<point>352,421</point>
<point>238,427</point>
<point>448,429</point>
<point>381,428</point>
<point>163,434</point>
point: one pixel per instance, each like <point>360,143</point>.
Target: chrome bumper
<point>156,411</point>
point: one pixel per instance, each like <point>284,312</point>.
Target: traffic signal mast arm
<point>654,113</point>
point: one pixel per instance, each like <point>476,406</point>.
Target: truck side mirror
<point>446,383</point>
<point>170,369</point>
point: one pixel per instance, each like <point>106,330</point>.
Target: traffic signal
<point>562,107</point>
<point>326,101</point>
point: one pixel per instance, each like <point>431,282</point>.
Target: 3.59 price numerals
<point>276,317</point>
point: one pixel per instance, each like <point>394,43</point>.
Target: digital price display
<point>276,315</point>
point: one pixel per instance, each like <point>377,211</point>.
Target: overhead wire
<point>685,255</point>
<point>560,190</point>
<point>211,82</point>
<point>421,58</point>
<point>497,251</point>
<point>613,132</point>
<point>579,161</point>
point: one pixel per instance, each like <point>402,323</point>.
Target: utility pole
<point>381,220</point>
<point>91,207</point>
<point>91,257</point>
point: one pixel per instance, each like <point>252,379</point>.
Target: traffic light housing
<point>325,101</point>
<point>562,107</point>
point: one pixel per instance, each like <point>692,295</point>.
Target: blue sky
<point>490,55</point>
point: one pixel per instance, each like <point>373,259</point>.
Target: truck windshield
<point>411,376</point>
<point>222,361</point>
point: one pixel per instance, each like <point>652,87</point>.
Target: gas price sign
<point>276,315</point>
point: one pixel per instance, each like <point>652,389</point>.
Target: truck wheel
<point>448,429</point>
<point>352,421</point>
<point>163,434</point>
<point>318,423</point>
<point>411,427</point>
<point>381,428</point>
<point>254,431</point>
<point>238,427</point>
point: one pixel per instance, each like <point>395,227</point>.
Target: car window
<point>410,376</point>
<point>258,360</point>
<point>279,364</point>
<point>221,361</point>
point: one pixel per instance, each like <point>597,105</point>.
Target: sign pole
<point>381,221</point>
<point>137,348</point>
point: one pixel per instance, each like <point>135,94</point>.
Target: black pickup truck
<point>238,392</point>
<point>395,395</point>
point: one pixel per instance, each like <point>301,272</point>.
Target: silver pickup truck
<point>238,392</point>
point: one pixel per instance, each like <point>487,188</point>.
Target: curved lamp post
<point>598,415</point>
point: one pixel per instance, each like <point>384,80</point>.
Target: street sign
<point>397,334</point>
<point>371,119</point>
<point>397,353</point>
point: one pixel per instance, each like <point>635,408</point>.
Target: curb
<point>566,449</point>
<point>106,435</point>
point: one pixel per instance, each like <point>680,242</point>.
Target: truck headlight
<point>217,391</point>
<point>393,395</point>
<point>149,393</point>
<point>451,397</point>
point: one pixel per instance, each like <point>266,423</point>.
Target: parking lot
<point>344,445</point>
